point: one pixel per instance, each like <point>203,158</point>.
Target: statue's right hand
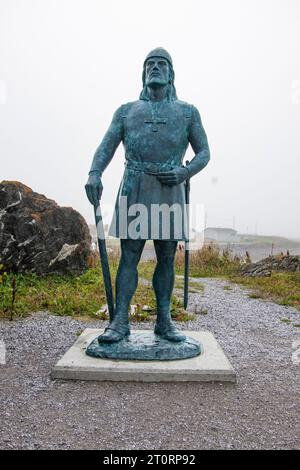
<point>93,189</point>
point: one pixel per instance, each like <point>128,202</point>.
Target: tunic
<point>155,137</point>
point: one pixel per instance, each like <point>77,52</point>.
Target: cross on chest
<point>155,123</point>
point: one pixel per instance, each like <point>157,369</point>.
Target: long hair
<point>171,90</point>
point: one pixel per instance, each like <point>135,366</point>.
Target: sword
<point>186,251</point>
<point>104,261</point>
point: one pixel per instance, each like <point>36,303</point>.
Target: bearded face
<point>157,72</point>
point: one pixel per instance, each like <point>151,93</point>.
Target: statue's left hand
<point>173,177</point>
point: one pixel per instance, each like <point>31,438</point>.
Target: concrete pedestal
<point>212,365</point>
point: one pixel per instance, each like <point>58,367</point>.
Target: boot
<point>166,328</point>
<point>117,330</point>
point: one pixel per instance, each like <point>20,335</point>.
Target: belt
<point>150,168</point>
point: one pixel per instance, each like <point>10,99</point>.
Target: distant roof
<point>221,229</point>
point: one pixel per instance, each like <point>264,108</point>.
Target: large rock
<point>36,235</point>
<point>265,266</point>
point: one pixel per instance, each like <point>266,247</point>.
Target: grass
<point>62,295</point>
<point>82,296</point>
<point>77,296</point>
<point>210,261</point>
<point>254,295</point>
<point>281,287</point>
<point>194,287</point>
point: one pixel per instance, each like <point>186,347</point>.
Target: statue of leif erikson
<point>155,131</point>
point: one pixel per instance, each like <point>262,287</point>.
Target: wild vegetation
<point>83,295</point>
<point>281,287</point>
<point>211,261</point>
<point>79,296</point>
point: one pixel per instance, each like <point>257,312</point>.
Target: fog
<point>66,65</point>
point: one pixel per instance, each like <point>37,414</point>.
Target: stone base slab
<point>145,346</point>
<point>211,366</point>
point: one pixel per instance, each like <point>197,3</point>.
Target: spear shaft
<point>186,251</point>
<point>104,261</point>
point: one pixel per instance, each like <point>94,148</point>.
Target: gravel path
<point>260,412</point>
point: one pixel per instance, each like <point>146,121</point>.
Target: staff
<point>104,261</point>
<point>187,251</point>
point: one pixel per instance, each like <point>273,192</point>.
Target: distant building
<point>221,235</point>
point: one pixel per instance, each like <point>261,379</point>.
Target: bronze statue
<point>155,131</point>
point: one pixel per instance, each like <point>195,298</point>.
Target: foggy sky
<point>66,65</point>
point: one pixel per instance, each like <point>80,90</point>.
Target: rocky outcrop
<point>265,267</point>
<point>36,235</point>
